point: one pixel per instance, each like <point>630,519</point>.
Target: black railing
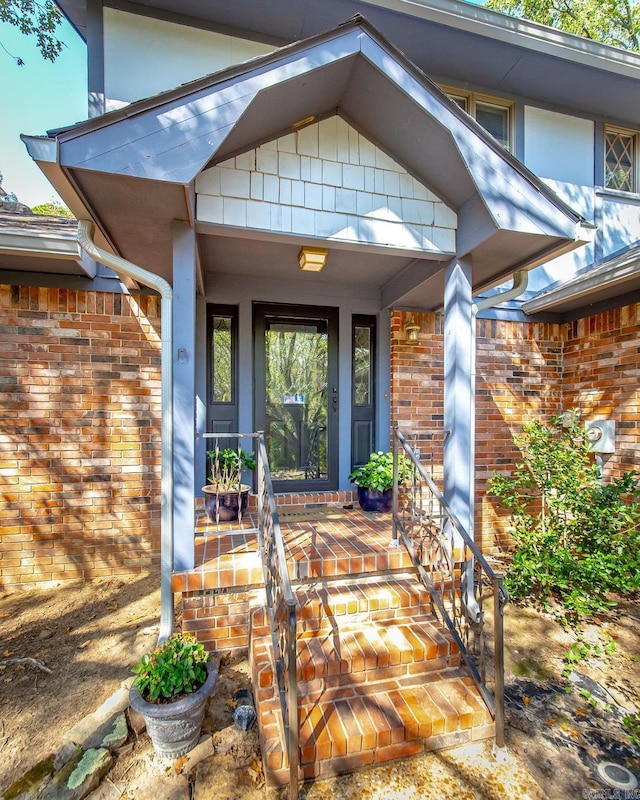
<point>457,575</point>
<point>281,604</point>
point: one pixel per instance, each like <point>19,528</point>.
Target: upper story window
<point>493,114</point>
<point>620,159</point>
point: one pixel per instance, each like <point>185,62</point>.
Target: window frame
<point>634,135</point>
<point>472,99</point>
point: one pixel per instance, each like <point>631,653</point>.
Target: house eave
<point>522,33</point>
<point>616,277</point>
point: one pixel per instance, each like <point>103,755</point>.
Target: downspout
<point>126,268</point>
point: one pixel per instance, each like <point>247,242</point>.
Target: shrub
<point>576,538</point>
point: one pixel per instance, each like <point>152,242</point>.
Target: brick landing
<point>216,595</point>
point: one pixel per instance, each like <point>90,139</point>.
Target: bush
<point>576,538</point>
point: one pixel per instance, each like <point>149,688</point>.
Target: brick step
<point>377,597</point>
<point>359,653</point>
<point>375,646</point>
<point>376,722</point>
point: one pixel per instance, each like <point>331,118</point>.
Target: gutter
<point>130,270</point>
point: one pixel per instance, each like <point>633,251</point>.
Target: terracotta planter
<point>225,506</point>
<point>174,728</point>
<point>373,500</point>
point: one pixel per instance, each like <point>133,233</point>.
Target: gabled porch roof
<point>133,170</point>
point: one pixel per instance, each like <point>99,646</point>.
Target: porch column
<point>184,393</point>
<point>459,405</point>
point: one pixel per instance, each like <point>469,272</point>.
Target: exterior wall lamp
<point>412,329</point>
<point>312,259</point>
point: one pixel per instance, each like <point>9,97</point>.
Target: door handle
<point>334,400</point>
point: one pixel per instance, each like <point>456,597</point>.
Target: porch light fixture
<point>312,259</point>
<point>412,329</point>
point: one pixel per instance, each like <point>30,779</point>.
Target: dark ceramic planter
<point>371,500</point>
<point>225,506</point>
<point>174,728</point>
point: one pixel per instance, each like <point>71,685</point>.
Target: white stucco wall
<point>328,182</point>
<point>144,56</point>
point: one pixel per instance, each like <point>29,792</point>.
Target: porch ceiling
<point>133,170</point>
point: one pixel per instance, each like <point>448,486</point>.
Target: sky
<point>35,98</point>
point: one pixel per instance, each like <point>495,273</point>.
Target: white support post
<point>184,393</point>
<point>459,408</point>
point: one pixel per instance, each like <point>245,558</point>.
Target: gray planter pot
<point>174,728</point>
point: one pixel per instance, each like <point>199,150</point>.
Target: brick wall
<point>79,434</point>
<point>519,377</point>
<point>602,378</point>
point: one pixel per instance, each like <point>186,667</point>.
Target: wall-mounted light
<point>412,329</point>
<point>312,259</point>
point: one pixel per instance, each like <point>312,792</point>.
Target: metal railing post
<point>394,515</point>
<point>498,616</point>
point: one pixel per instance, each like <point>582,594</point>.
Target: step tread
<point>371,645</point>
<point>339,733</point>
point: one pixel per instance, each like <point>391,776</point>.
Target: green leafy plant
<point>631,723</point>
<point>174,669</point>
<point>576,537</point>
<point>377,473</point>
<point>225,467</point>
<point>582,650</point>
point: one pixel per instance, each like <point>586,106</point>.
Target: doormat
<point>310,514</point>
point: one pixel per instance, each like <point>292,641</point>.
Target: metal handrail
<point>281,603</point>
<point>455,572</point>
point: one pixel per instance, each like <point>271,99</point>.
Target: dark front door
<point>296,394</point>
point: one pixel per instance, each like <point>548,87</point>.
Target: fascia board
<point>518,32</point>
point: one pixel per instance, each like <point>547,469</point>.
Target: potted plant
<point>225,496</point>
<point>170,690</point>
<point>375,481</point>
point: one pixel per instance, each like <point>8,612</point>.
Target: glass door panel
<point>296,396</point>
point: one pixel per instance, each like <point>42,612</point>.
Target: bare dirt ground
<point>88,636</point>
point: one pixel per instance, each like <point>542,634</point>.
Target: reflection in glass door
<point>297,394</point>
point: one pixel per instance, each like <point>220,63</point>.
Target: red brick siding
<point>79,434</point>
<point>518,377</point>
<point>602,378</point>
